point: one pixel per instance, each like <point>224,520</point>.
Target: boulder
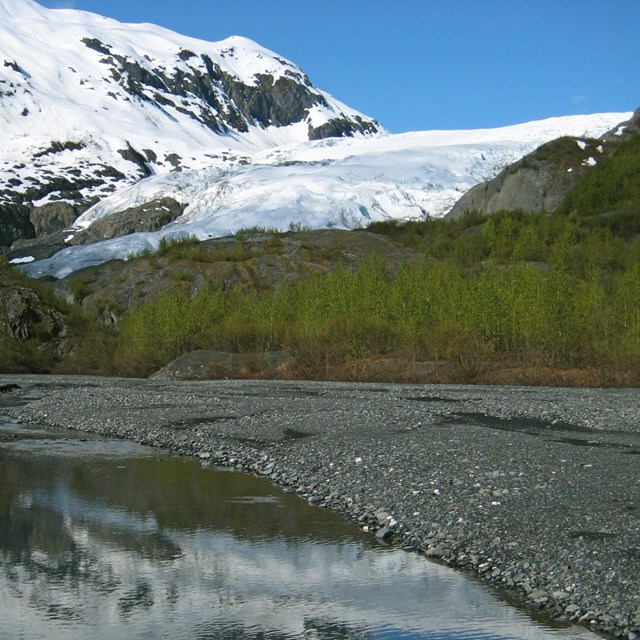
<point>53,217</point>
<point>207,365</point>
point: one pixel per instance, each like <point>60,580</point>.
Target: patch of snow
<point>589,162</point>
<point>25,260</point>
<point>582,144</point>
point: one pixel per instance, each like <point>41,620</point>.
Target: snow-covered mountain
<point>88,103</point>
<point>144,133</point>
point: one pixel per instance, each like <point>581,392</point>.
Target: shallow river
<point>108,539</point>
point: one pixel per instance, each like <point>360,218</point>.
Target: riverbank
<point>536,490</point>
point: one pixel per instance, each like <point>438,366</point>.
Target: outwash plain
<point>534,489</point>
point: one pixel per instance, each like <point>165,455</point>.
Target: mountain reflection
<point>130,544</point>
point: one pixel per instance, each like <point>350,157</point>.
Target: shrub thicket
<point>542,291</point>
<point>612,185</point>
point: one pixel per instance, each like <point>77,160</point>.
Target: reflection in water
<point>107,539</point>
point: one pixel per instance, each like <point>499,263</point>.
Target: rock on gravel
<point>536,490</point>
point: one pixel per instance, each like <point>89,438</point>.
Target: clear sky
<point>431,64</point>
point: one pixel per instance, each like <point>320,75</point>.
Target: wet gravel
<point>536,490</point>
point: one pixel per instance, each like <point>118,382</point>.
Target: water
<point>105,539</point>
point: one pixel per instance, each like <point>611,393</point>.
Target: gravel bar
<point>535,489</point>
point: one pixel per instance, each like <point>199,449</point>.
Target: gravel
<point>536,490</point>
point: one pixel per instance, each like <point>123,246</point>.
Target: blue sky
<point>431,64</point>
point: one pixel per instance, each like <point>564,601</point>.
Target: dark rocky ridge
<point>21,219</point>
<point>534,490</point>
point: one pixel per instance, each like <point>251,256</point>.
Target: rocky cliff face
<point>33,332</point>
<point>541,180</point>
<point>201,89</point>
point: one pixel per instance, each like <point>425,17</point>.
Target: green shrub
<point>611,185</point>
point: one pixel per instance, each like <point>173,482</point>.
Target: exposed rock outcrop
<point>207,365</point>
<point>14,224</point>
<point>537,182</point>
<point>53,217</point>
<point>148,217</point>
<point>38,248</point>
<point>40,231</point>
<point>624,130</point>
<point>25,315</point>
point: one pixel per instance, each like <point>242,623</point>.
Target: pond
<point>108,539</point>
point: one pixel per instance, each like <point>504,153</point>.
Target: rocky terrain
<point>27,316</point>
<point>534,490</point>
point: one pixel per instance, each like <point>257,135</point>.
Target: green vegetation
<point>612,185</point>
<point>80,284</point>
<point>569,314</point>
<point>525,293</point>
<point>191,249</point>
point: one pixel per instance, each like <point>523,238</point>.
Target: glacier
<point>343,183</point>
